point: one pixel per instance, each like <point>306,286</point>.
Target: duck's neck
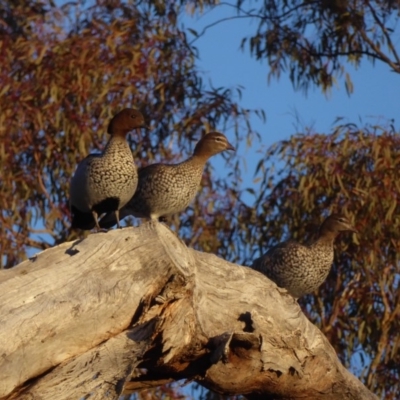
<point>199,159</point>
<point>116,144</point>
<point>325,238</point>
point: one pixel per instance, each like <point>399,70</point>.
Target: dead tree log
<point>135,308</point>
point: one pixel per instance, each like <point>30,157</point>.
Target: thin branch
<point>387,36</point>
<point>44,190</point>
<point>276,17</point>
<point>41,231</point>
<point>379,55</point>
<point>215,23</point>
<point>338,53</point>
<point>384,340</point>
<point>35,244</point>
<point>247,14</point>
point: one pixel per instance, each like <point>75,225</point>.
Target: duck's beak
<point>230,147</point>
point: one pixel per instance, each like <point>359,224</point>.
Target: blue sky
<point>375,99</point>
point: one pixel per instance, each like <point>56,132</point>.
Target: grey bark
<point>135,308</point>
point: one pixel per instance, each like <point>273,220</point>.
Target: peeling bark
<point>134,308</point>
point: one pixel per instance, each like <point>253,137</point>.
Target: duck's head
<point>337,223</point>
<point>125,121</point>
<point>212,143</point>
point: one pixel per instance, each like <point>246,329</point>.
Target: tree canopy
<point>315,41</point>
<point>66,69</point>
<point>65,72</point>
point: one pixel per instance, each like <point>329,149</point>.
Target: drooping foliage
<point>65,70</point>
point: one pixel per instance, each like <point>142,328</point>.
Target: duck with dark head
<point>105,182</point>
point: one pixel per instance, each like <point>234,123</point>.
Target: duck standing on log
<point>166,189</point>
<point>105,182</point>
<point>301,269</point>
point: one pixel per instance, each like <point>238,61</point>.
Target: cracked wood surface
<point>134,308</point>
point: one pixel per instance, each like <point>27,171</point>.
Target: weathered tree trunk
<point>135,308</point>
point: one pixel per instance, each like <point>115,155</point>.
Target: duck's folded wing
<point>274,255</point>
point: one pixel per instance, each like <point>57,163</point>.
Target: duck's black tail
<point>82,220</point>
